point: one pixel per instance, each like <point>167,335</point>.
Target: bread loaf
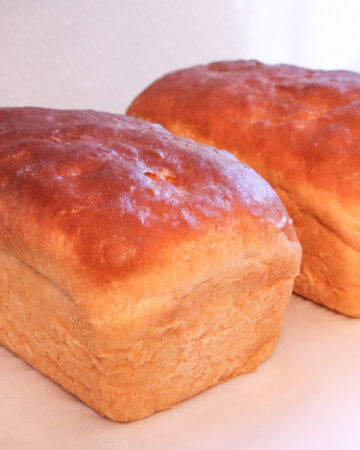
<point>137,268</point>
<point>299,129</point>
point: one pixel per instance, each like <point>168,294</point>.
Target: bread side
<point>221,328</point>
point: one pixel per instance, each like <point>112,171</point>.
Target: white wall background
<point>101,53</point>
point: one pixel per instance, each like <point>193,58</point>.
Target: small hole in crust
<point>14,156</point>
<point>78,209</point>
<point>164,175</point>
<point>152,175</point>
<point>20,155</point>
<point>67,172</point>
<point>168,176</point>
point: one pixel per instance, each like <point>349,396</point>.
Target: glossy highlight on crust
<point>117,187</point>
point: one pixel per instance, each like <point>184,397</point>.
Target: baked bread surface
<point>299,129</point>
<point>137,268</point>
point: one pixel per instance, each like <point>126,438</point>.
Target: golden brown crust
<point>304,122</point>
<point>114,191</point>
<point>137,268</point>
<point>299,129</point>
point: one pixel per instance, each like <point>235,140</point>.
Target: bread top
<point>303,125</point>
<point>92,200</point>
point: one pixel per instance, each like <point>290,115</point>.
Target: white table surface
<point>306,396</point>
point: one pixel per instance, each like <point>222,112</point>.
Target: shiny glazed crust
<point>299,129</point>
<point>137,268</point>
